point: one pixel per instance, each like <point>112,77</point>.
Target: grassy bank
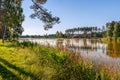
<point>112,39</point>
<point>29,61</point>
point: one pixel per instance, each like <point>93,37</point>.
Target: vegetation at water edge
<point>30,61</point>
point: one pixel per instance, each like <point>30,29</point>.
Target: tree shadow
<point>9,46</point>
<point>7,75</point>
<point>20,70</point>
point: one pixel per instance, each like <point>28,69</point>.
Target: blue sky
<point>72,13</point>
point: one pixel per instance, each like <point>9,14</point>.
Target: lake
<point>91,49</point>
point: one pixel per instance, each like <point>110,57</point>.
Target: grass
<point>30,61</point>
<point>16,63</point>
<point>112,39</point>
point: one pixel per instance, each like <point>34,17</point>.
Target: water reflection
<point>59,44</point>
<point>94,50</point>
<point>113,50</point>
<point>85,46</point>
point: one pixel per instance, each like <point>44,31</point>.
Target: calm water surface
<point>94,50</point>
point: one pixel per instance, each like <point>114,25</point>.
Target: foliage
<point>11,18</point>
<point>113,29</point>
<point>59,34</point>
<point>42,14</point>
<point>116,32</point>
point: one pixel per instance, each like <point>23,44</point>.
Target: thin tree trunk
<point>3,35</point>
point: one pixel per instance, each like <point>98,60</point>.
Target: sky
<point>72,13</point>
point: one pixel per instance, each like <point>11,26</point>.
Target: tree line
<point>85,32</point>
<point>112,29</point>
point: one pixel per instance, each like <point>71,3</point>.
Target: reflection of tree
<point>59,44</point>
<point>94,41</point>
<point>85,47</point>
<point>77,40</point>
<point>113,49</point>
<point>67,44</point>
<point>85,42</point>
<point>94,44</point>
<point>103,49</point>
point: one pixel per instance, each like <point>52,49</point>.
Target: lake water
<point>94,50</point>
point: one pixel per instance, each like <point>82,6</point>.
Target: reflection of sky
<point>93,51</point>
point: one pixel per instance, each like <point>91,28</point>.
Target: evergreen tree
<point>43,14</point>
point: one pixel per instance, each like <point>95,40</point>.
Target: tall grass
<point>30,61</point>
<point>67,66</point>
<point>72,66</point>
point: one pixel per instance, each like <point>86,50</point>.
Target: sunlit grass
<point>112,39</point>
<point>30,61</point>
<point>21,63</point>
